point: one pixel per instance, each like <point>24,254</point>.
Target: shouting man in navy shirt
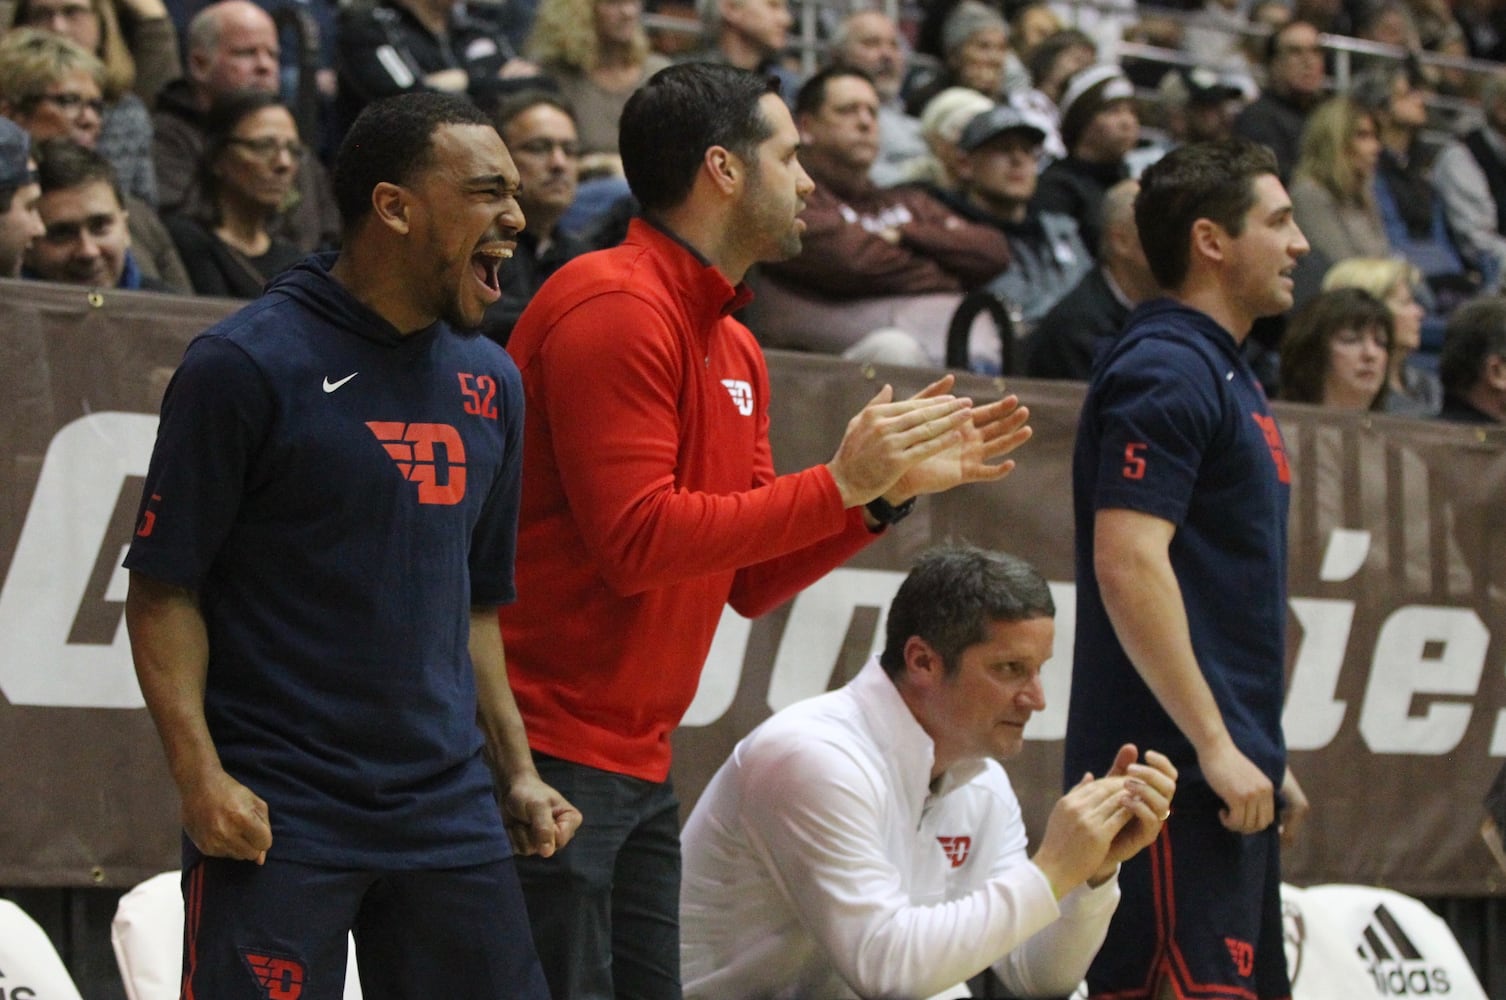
<point>327,529</point>
<point>1181,486</point>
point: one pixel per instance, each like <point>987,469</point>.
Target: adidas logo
<point>1398,968</point>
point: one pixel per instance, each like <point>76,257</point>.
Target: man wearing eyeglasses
<point>539,129</point>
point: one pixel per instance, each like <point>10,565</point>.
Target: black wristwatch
<point>886,513</point>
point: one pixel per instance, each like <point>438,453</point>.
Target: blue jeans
<point>606,910</point>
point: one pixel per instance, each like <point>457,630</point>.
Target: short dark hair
<point>812,95</point>
<point>952,594</point>
<point>1476,332</point>
<point>1305,345</point>
<point>391,141</point>
<point>1043,57</point>
<point>63,164</point>
<point>684,110</point>
<point>1201,180</point>
<point>515,104</point>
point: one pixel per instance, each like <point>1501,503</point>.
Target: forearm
<point>970,253</point>
<point>1144,603</point>
<point>496,711</point>
<point>170,646</point>
<point>1055,960</point>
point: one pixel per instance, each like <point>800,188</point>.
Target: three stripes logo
<point>956,849</point>
<point>1395,962</point>
<point>431,455</point>
<point>279,977</point>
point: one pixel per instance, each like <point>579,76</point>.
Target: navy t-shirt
<point>339,497</point>
<point>1176,425</point>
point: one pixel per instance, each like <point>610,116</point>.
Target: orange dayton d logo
<point>431,455</point>
<point>281,978</point>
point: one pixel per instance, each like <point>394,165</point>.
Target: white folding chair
<point>29,964</point>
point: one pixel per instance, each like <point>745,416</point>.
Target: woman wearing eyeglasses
<point>248,173</point>
<point>125,134</point>
<point>54,88</point>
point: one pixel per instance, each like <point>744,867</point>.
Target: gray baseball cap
<point>995,122</point>
<point>15,154</point>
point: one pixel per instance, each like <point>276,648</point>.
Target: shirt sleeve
<point>494,541</point>
<point>213,421</point>
<point>618,457</point>
<point>1156,414</point>
<point>815,816</point>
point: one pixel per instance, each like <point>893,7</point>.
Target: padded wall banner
<point>1398,583</point>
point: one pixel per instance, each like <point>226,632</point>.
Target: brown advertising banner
<point>1397,704</point>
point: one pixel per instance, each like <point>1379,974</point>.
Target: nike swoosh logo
<point>332,386</point>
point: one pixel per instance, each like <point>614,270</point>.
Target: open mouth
<point>485,263</point>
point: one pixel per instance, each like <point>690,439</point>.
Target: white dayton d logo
<point>78,495</point>
<point>742,395</point>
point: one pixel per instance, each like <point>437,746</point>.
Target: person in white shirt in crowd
<point>867,842</point>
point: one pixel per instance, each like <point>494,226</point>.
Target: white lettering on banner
<point>818,622</point>
<point>1402,670</point>
<point>1313,716</point>
<point>70,513</point>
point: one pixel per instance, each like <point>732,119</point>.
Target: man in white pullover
<point>867,843</point>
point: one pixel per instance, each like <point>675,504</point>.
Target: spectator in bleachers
<point>597,52</point>
<point>863,242</point>
<point>1270,15</point>
<point>1412,390</point>
<point>998,174</point>
<point>941,124</point>
<point>53,89</point>
<point>400,46</point>
<point>1099,127</point>
<point>1054,61</point>
<point>1214,36</point>
<point>1484,25</point>
<point>125,135</point>
<point>1472,365</point>
<point>1294,85</point>
<point>1333,184</point>
<point>87,240</point>
<point>252,155</point>
<point>748,34</point>
<point>1068,338</point>
<point>1386,23</point>
<point>135,39</point>
<point>1410,210</point>
<point>869,40</point>
<point>1198,105</point>
<point>232,46</point>
<point>1335,351</point>
<point>20,224</point>
<point>1030,24</point>
<point>50,86</point>
<point>860,238</point>
<point>538,128</point>
<point>1469,177</point>
<point>974,40</point>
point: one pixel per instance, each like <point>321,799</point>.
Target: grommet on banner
<point>97,300</point>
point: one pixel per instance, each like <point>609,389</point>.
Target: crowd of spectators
<point>976,150</point>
